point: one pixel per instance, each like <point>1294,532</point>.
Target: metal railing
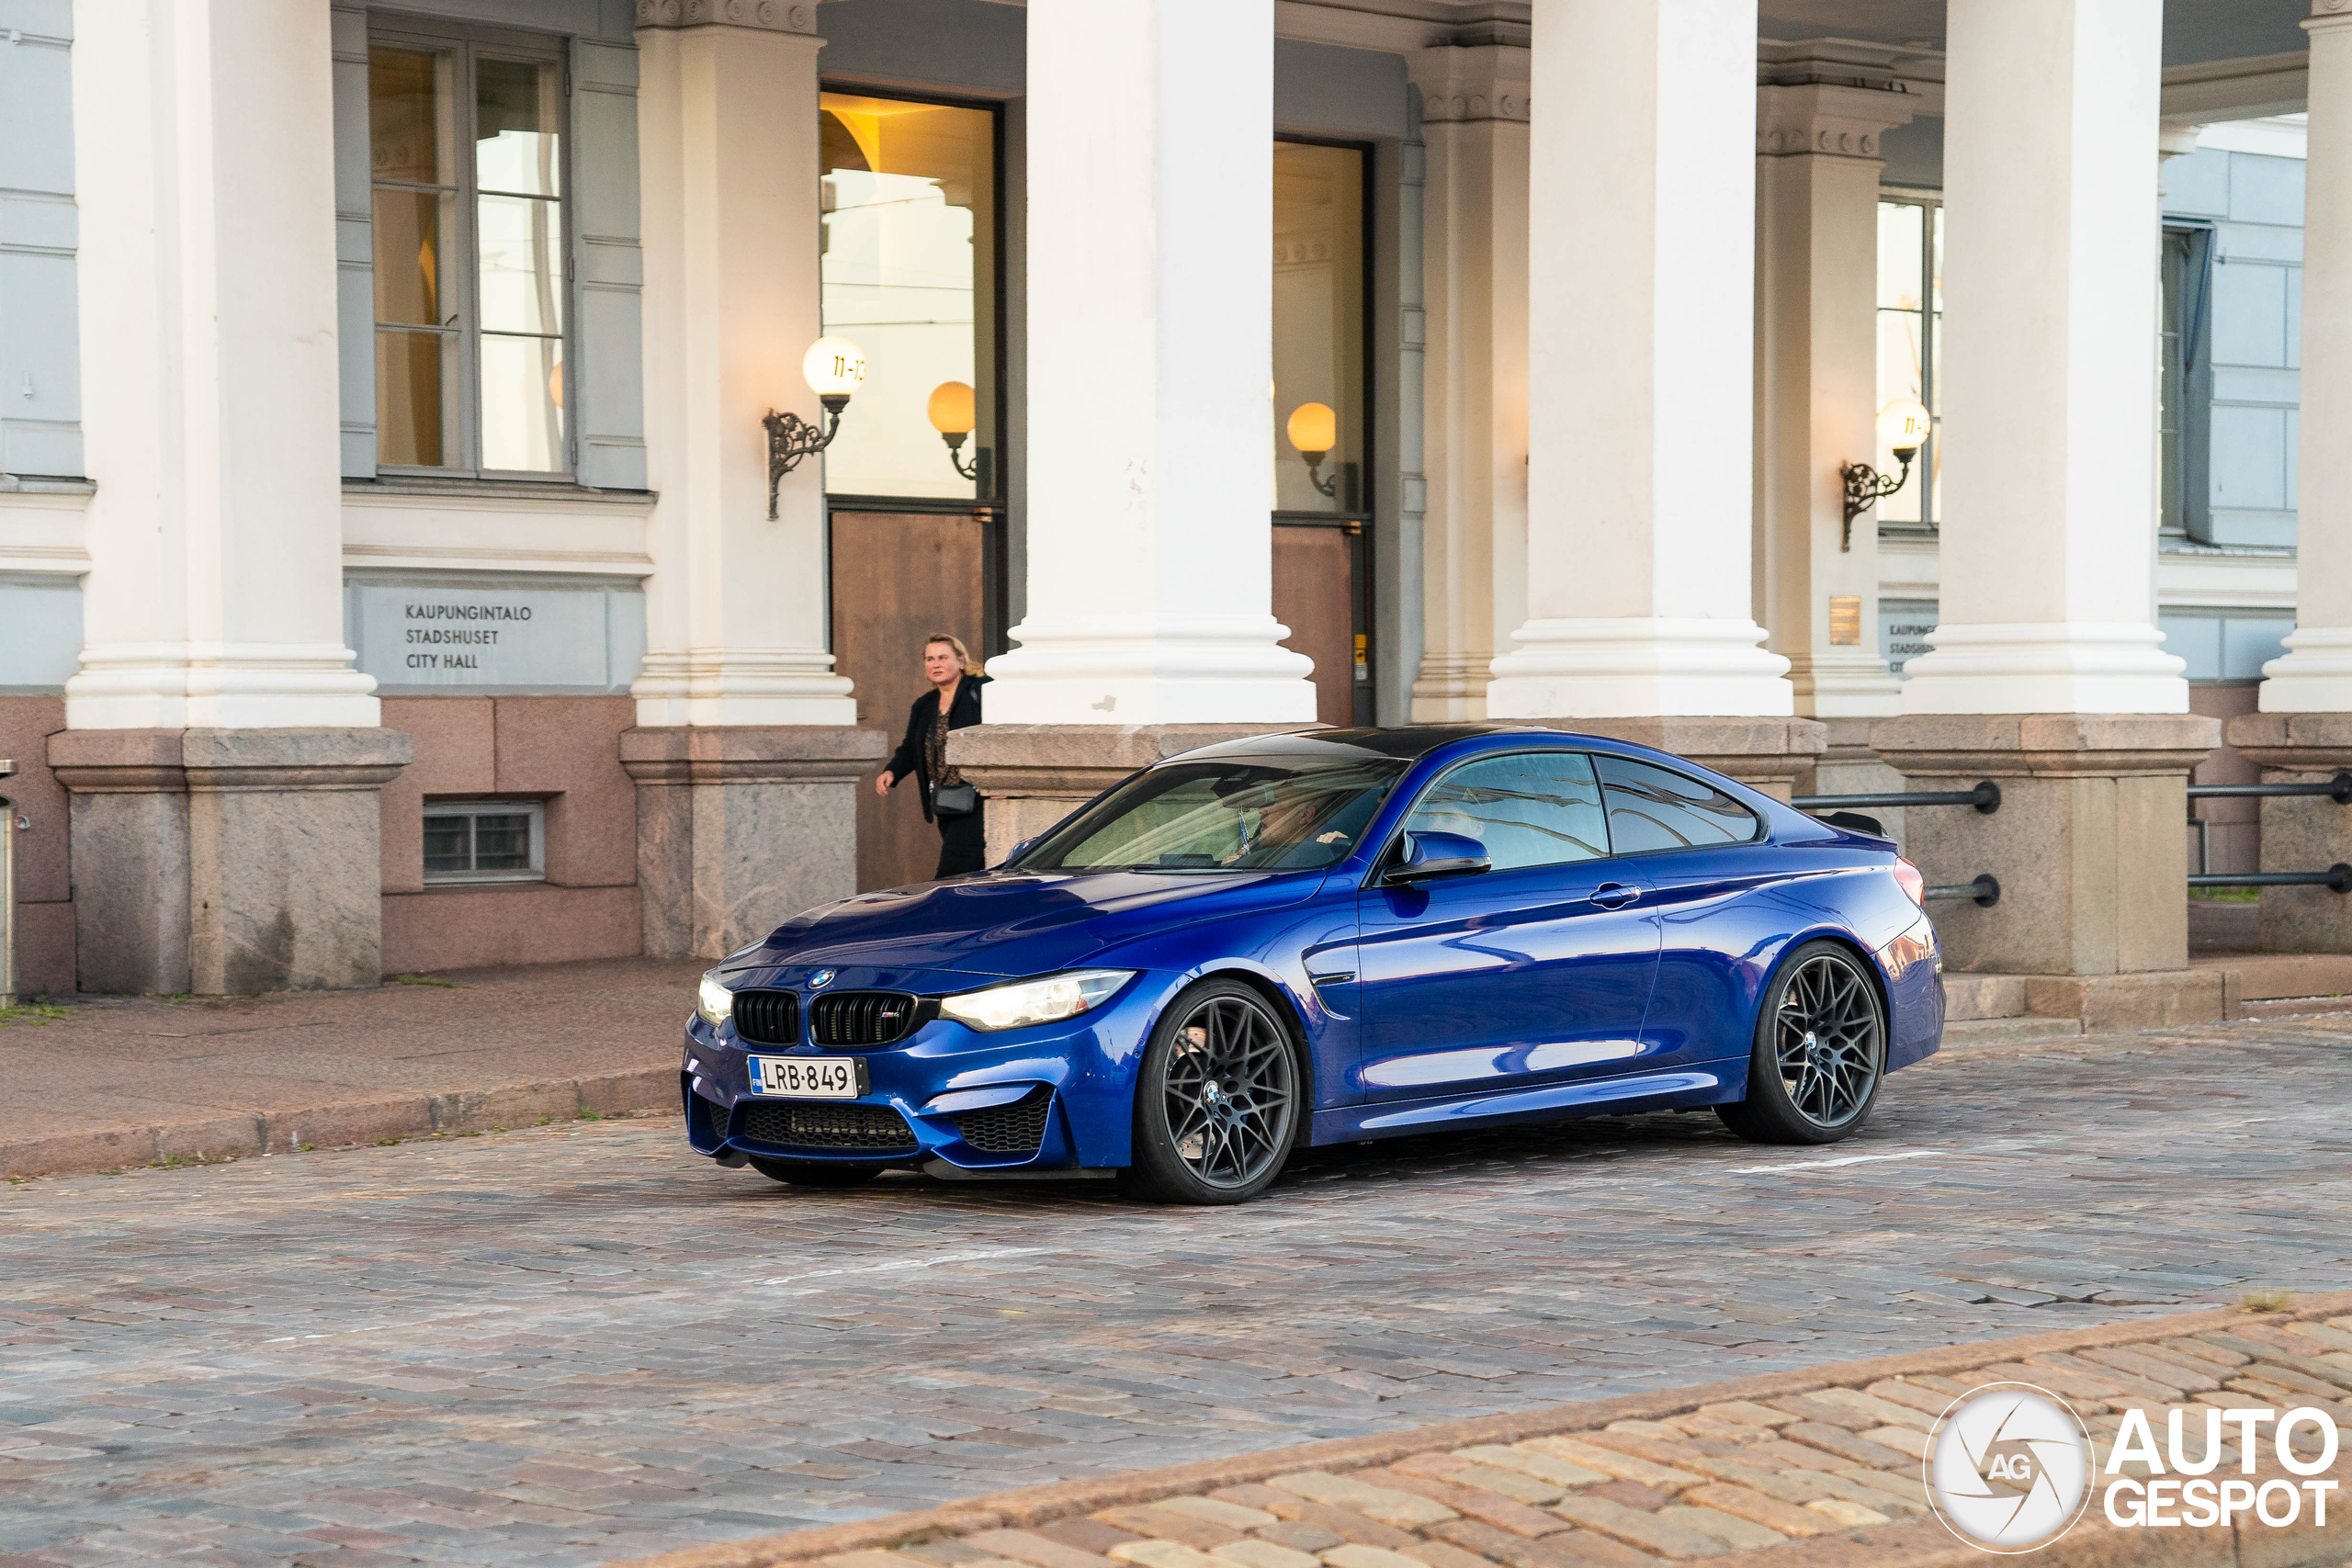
<point>2336,878</point>
<point>1984,891</point>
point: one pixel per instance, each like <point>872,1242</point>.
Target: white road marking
<point>1849,1159</point>
<point>932,1260</point>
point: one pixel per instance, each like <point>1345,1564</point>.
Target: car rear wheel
<point>815,1173</point>
<point>1820,1050</point>
<point>1217,1100</point>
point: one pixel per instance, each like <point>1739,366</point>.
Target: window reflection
<point>1318,327</point>
<point>908,194</point>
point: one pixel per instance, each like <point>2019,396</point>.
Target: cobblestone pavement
<point>581,1343</point>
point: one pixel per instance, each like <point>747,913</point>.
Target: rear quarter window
<point>1652,809</point>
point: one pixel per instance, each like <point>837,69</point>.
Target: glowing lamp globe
<point>1314,428</point>
<point>1902,424</point>
<point>950,409</point>
<point>835,367</point>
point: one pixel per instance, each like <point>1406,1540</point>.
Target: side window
<point>1652,809</point>
<point>1528,808</point>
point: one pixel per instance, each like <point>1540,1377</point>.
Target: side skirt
<point>1707,1084</point>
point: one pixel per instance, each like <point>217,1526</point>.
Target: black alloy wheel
<point>815,1173</point>
<point>1820,1052</point>
<point>1218,1098</point>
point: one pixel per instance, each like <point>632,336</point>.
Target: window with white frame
<point>467,151</point>
<point>485,840</point>
<point>1910,342</point>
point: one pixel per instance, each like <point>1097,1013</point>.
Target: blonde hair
<point>963,655</point>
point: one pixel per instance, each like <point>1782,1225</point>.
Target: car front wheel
<point>1820,1049</point>
<point>1218,1098</point>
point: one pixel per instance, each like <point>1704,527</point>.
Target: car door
<point>1704,857</point>
<point>1536,969</point>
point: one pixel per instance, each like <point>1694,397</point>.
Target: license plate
<point>808,1077</point>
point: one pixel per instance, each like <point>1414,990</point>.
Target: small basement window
<point>485,840</point>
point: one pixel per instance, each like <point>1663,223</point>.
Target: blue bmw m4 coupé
<point>1326,937</point>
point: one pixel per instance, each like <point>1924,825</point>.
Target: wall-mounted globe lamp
<point>1314,429</point>
<point>834,367</point>
<point>1903,425</point>
<point>951,414</point>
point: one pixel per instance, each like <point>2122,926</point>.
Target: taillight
<point>1908,878</point>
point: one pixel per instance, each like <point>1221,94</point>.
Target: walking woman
<point>953,702</point>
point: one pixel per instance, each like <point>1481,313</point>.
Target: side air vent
<point>767,1018</point>
<point>1015,1129</point>
<point>862,1018</point>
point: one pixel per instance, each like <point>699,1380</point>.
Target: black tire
<point>815,1173</point>
<point>1220,1098</point>
<point>1820,1050</point>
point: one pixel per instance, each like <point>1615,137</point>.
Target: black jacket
<point>963,712</point>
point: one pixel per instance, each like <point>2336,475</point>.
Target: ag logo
<point>821,979</point>
<point>2008,1467</point>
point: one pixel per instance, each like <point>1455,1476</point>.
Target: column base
<point>2300,832</point>
<point>1451,688</point>
<point>2045,667</point>
<point>1630,667</point>
<point>740,828</point>
<point>2088,844</point>
<point>1152,672</point>
<point>1033,775</point>
<point>227,862</point>
<point>1767,754</point>
<point>2313,678</point>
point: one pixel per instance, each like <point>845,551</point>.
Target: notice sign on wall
<point>520,638</point>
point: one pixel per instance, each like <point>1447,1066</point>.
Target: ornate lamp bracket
<point>1865,488</point>
<point>791,438</point>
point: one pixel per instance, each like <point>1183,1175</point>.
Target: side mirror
<point>1431,855</point>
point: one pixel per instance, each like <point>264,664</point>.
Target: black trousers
<point>963,844</point>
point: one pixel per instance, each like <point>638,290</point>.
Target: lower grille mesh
<point>1015,1129</point>
<point>714,1116</point>
<point>828,1126</point>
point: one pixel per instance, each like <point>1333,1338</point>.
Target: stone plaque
<point>521,637</point>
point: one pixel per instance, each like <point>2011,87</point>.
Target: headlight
<point>1036,1001</point>
<point>715,1001</point>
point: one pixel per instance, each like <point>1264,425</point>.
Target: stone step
<point>1973,1032</point>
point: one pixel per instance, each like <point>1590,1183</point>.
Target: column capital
<point>2328,16</point>
<point>1823,118</point>
<point>1464,84</point>
<point>762,16</point>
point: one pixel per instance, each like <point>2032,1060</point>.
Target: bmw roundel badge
<point>821,979</point>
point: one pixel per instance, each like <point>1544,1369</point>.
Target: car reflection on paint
<point>1328,936</point>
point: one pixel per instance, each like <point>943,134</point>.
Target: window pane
<point>502,842</point>
<point>1260,815</point>
<point>1900,375</point>
<point>1318,327</point>
<point>1899,270</point>
<point>444,844</point>
<point>518,108</point>
<point>1652,809</point>
<point>408,228</point>
<point>416,393</point>
<point>909,269</point>
<point>408,116</point>
<point>521,404</point>
<point>1530,809</point>
<point>520,240</point>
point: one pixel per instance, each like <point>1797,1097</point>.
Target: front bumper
<point>1052,1097</point>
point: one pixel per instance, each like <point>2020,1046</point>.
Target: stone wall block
<point>2302,832</point>
<point>2088,844</point>
<point>131,892</point>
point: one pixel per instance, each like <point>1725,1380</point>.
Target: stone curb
<point>1922,1544</point>
<point>243,1135</point>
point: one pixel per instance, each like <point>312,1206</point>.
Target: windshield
<point>1260,814</point>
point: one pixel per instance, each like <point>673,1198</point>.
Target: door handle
<point>1614,894</point>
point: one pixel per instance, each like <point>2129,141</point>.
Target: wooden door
<point>1315,597</point>
<point>897,577</point>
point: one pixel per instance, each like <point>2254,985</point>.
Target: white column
<point>2315,676</point>
<point>1816,383</point>
<point>2050,279</point>
<point>1150,230</point>
<point>1474,269</point>
<point>1641,320</point>
<point>727,143</point>
<point>203,157</point>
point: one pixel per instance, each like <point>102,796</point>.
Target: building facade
<point>393,576</point>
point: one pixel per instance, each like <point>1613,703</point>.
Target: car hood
<point>1010,923</point>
